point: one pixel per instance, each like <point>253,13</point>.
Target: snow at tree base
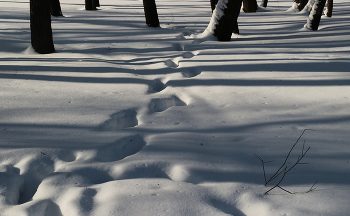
<point>126,119</point>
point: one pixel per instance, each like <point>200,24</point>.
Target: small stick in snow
<point>311,188</point>
<point>284,169</point>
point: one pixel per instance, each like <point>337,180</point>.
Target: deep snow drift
<point>129,120</point>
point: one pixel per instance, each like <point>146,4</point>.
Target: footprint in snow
<point>188,55</point>
<point>156,86</point>
<point>121,149</point>
<point>11,186</point>
<point>191,72</point>
<point>34,169</point>
<point>171,64</point>
<point>86,201</point>
<point>120,120</point>
<point>162,104</point>
<point>178,47</point>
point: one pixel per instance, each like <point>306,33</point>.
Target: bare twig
<point>277,185</point>
<point>263,165</point>
<point>277,173</point>
<point>312,188</point>
<point>284,169</point>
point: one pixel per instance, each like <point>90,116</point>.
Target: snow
<point>308,7</point>
<point>217,14</point>
<point>129,120</point>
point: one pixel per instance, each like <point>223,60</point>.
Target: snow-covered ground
<point>129,120</point>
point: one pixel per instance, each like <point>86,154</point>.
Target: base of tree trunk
<point>55,8</point>
<point>96,3</point>
<point>90,5</point>
<point>329,8</point>
<point>264,3</point>
<point>40,26</point>
<point>226,24</point>
<point>315,15</point>
<point>151,13</point>
<point>250,6</point>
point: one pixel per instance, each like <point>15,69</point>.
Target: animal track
<point>86,201</point>
<point>94,175</point>
<point>121,149</point>
<point>123,119</point>
<point>66,155</point>
<point>188,55</point>
<point>156,86</point>
<point>179,47</point>
<point>174,63</point>
<point>162,104</point>
<point>192,72</point>
<point>170,63</point>
<point>34,169</point>
<point>11,185</point>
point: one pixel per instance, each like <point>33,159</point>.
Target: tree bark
<point>40,26</point>
<point>96,3</point>
<point>213,4</point>
<point>315,15</point>
<point>302,4</point>
<point>250,6</point>
<point>265,3</point>
<point>224,19</point>
<point>55,8</point>
<point>90,5</point>
<point>151,13</point>
<point>329,8</point>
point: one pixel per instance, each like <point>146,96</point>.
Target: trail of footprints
<point>175,62</point>
<point>41,173</point>
<point>128,118</point>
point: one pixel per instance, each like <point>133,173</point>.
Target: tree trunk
<point>55,8</point>
<point>235,27</point>
<point>329,8</point>
<point>302,4</point>
<point>315,15</point>
<point>213,4</point>
<point>264,3</point>
<point>250,6</point>
<point>308,7</point>
<point>96,3</point>
<point>40,26</point>
<point>224,19</point>
<point>90,5</point>
<point>151,13</point>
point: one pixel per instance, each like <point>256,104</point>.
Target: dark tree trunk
<point>316,13</point>
<point>329,8</point>
<point>151,13</point>
<point>213,4</point>
<point>40,26</point>
<point>250,6</point>
<point>55,8</point>
<point>227,23</point>
<point>264,3</point>
<point>302,4</point>
<point>90,5</point>
<point>96,3</point>
<point>235,27</point>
